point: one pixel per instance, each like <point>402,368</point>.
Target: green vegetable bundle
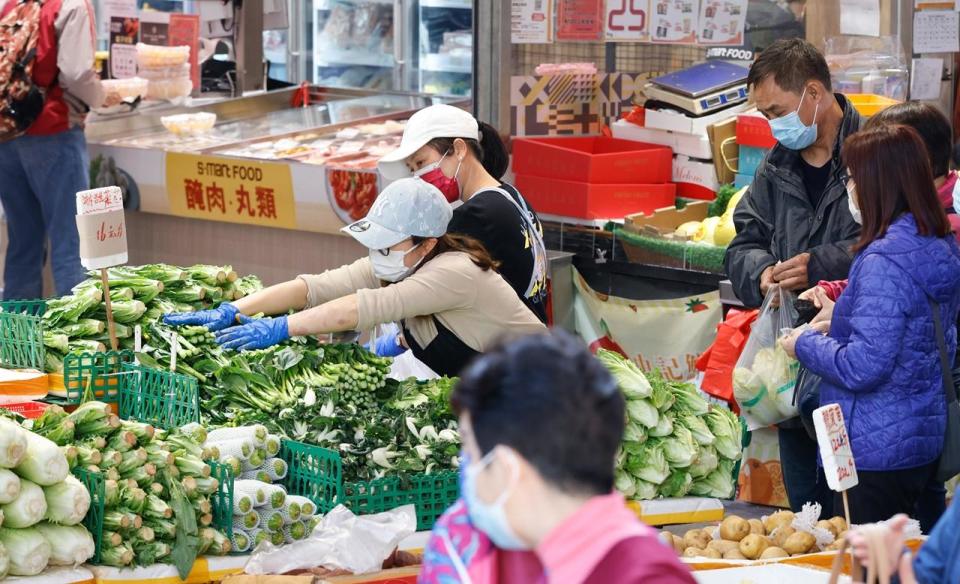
<point>675,443</point>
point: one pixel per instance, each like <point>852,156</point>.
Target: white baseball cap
<point>407,207</point>
<point>436,121</point>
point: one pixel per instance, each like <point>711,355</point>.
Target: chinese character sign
<point>102,228</point>
<point>226,189</point>
<point>835,449</point>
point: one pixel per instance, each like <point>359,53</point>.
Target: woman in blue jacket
<point>880,360</point>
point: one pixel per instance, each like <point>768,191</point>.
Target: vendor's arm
<point>831,261</point>
<point>748,255</point>
<point>277,299</point>
<point>878,322</point>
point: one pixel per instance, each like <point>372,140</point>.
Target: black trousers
<point>802,476</point>
<point>882,494</point>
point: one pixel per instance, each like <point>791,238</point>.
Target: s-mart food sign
<point>232,190</point>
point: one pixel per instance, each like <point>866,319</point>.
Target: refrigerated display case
<point>424,46</point>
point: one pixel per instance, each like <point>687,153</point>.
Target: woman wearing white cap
<point>448,148</point>
<point>443,289</point>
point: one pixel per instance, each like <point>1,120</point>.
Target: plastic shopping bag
<point>765,377</point>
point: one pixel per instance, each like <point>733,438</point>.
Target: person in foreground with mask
<point>442,288</point>
<point>793,226</point>
<point>466,159</point>
<point>880,361</point>
<point>541,421</point>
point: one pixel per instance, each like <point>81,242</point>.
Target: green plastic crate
<point>21,334</point>
<point>317,473</point>
<point>162,398</point>
<point>94,519</point>
<point>100,370</point>
<point>222,500</point>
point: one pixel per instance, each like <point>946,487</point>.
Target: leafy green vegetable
<point>628,376</point>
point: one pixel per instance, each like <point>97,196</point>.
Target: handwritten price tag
<point>835,449</point>
<point>102,228</point>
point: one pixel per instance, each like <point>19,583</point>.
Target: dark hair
<point>891,170</point>
<point>464,243</point>
<point>792,63</point>
<point>549,399</point>
<point>929,122</point>
<point>490,150</point>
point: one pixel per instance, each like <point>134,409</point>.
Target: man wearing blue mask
<point>794,226</point>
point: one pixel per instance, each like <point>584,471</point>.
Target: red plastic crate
<point>30,410</point>
<point>596,160</point>
<point>591,201</point>
<point>754,130</point>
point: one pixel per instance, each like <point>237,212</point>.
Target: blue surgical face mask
<point>790,131</point>
<point>491,518</point>
<point>853,203</point>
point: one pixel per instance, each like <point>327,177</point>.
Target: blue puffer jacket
<point>880,361</point>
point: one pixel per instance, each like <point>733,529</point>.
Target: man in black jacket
<point>794,227</point>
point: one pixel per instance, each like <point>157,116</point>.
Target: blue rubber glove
<point>214,319</point>
<point>387,345</point>
<point>254,333</point>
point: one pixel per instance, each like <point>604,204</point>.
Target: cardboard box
<point>593,201</point>
<point>663,222</point>
<point>596,160</point>
<point>695,179</point>
<point>742,180</point>
<point>674,121</point>
<point>686,144</point>
<point>723,142</point>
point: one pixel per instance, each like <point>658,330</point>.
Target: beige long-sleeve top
<point>76,45</point>
<point>477,306</point>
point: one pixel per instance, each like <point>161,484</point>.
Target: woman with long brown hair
<point>880,359</point>
<point>442,288</point>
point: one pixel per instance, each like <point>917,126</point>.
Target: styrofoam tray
<point>779,573</point>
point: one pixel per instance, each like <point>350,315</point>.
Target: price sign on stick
<point>835,451</point>
<point>103,238</point>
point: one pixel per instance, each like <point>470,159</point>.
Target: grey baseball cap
<point>407,207</point>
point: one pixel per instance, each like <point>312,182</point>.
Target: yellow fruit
<point>732,203</point>
<point>725,231</point>
<point>707,229</point>
<point>688,229</point>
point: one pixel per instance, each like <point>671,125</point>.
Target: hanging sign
<point>835,451</point>
<point>627,20</point>
<point>102,228</point>
<point>579,20</point>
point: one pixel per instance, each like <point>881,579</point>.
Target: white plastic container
<point>189,124</point>
<point>159,56</point>
<point>169,89</point>
<point>126,88</point>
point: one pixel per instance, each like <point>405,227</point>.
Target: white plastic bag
<point>357,544</point>
<point>765,377</point>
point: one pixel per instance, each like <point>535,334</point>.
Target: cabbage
<point>624,483</point>
<point>633,383</point>
<point>701,433</point>
<point>634,432</point>
<point>689,400</point>
<point>645,491</point>
<point>664,427</point>
<point>13,443</point>
<point>662,396</point>
<point>27,509</point>
<point>69,545</point>
<point>44,463</point>
<point>680,448</point>
<point>718,483</point>
<point>649,463</point>
<point>29,551</point>
<point>9,486</point>
<point>67,502</point>
<point>706,462</point>
<point>643,412</point>
<point>4,562</point>
<point>725,425</point>
<point>677,484</point>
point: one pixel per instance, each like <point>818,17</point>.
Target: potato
<point>799,542</point>
<point>781,534</point>
<point>714,554</point>
<point>824,524</point>
<point>839,524</point>
<point>734,528</point>
<point>833,547</point>
<point>779,518</point>
<point>678,545</point>
<point>723,546</point>
<point>774,552</point>
<point>756,526</point>
<point>734,555</point>
<point>692,552</point>
<point>753,545</point>
<point>696,538</point>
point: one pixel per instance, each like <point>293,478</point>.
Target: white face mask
<point>852,203</point>
<point>390,267</point>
